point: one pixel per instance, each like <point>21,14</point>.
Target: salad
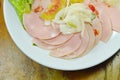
<point>68,28</point>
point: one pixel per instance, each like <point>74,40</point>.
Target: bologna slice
<point>41,44</point>
<point>69,47</point>
<point>96,24</point>
<point>84,44</point>
<point>114,15</point>
<point>105,21</point>
<point>91,43</point>
<point>60,39</point>
<point>40,3</point>
<point>36,28</point>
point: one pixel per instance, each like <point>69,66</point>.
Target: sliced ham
<point>41,3</point>
<point>82,48</point>
<point>106,26</point>
<point>96,24</point>
<point>69,47</point>
<point>114,14</point>
<point>36,28</point>
<point>62,38</point>
<point>41,44</point>
<point>91,43</point>
<point>105,21</point>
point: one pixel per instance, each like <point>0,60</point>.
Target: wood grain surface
<point>14,65</point>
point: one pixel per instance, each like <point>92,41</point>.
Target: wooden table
<point>14,65</point>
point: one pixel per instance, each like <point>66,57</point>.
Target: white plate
<point>99,54</point>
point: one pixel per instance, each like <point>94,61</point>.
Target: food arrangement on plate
<point>68,28</point>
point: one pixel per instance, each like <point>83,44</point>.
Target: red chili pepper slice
<point>38,9</point>
<point>96,32</point>
<point>91,7</point>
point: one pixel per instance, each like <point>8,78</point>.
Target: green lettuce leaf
<point>21,7</point>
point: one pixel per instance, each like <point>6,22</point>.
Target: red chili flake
<point>52,10</point>
<point>96,32</point>
<point>38,9</point>
<point>91,7</point>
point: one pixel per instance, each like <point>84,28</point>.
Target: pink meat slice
<point>43,45</point>
<point>68,48</point>
<point>62,38</point>
<point>114,14</point>
<point>42,3</point>
<point>105,21</point>
<point>82,48</point>
<point>96,24</point>
<point>91,43</point>
<point>36,28</point>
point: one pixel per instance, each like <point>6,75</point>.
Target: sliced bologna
<point>41,44</point>
<point>69,47</point>
<point>36,28</point>
<point>96,24</point>
<point>91,43</point>
<point>40,3</point>
<point>105,21</point>
<point>60,39</point>
<point>114,14</point>
<point>82,48</point>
